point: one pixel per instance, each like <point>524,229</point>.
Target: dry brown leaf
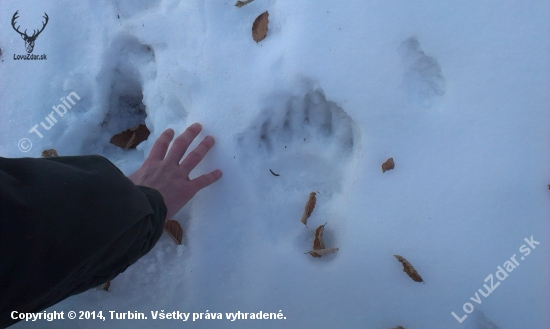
<point>240,3</point>
<point>309,207</point>
<point>318,243</point>
<point>131,138</point>
<point>322,252</point>
<point>388,165</point>
<point>409,269</point>
<point>49,153</point>
<point>259,28</point>
<point>174,230</point>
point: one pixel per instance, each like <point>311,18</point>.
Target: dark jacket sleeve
<point>68,224</point>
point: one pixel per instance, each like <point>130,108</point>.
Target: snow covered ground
<point>456,92</point>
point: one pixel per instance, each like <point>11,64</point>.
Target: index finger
<point>158,152</point>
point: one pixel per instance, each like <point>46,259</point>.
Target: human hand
<point>165,174</point>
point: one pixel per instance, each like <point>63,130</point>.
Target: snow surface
<point>456,92</point>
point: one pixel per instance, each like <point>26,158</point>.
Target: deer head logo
<point>29,40</point>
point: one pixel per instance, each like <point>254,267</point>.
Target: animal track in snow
<point>422,78</point>
<point>122,80</point>
<point>305,139</point>
<point>308,141</point>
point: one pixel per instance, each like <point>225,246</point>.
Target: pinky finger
<point>206,179</point>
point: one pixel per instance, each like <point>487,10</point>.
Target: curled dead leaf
<point>131,138</point>
<point>259,27</point>
<point>49,153</point>
<point>310,204</point>
<point>274,174</point>
<point>409,269</point>
<point>398,327</point>
<point>318,243</point>
<point>240,3</point>
<point>174,230</point>
<point>322,252</point>
<point>388,165</point>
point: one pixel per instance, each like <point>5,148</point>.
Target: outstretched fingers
<point>158,152</point>
<point>182,142</point>
<point>194,157</point>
